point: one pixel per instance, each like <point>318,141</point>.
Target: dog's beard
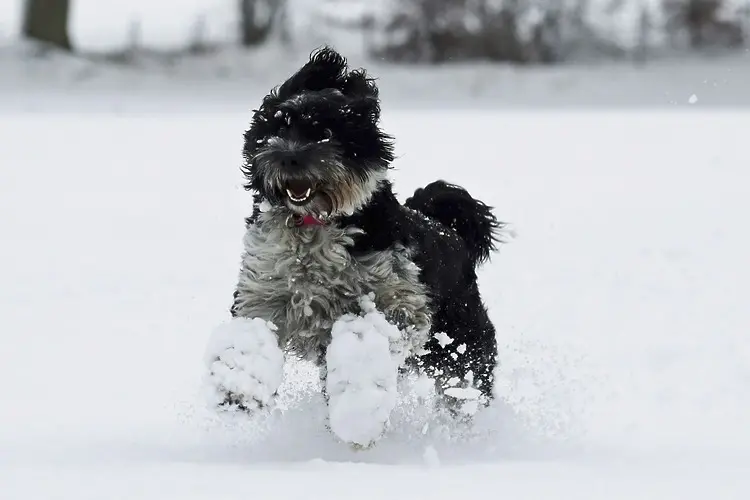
<point>325,188</point>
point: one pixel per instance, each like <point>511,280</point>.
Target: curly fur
<point>304,279</point>
<point>454,207</point>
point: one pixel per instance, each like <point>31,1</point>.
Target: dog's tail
<point>454,207</point>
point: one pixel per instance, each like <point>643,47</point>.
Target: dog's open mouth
<point>299,191</point>
<point>306,197</point>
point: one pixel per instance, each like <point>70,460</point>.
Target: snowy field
<point>621,310</point>
<point>232,80</point>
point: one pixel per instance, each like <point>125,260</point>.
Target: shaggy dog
<point>337,271</point>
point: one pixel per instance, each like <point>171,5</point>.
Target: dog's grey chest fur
<point>304,278</point>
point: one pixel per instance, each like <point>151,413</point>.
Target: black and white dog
<point>337,271</point>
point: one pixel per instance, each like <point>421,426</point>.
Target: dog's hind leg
<point>462,356</point>
<point>245,365</point>
<point>362,364</point>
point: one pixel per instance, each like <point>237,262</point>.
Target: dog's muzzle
<point>305,197</point>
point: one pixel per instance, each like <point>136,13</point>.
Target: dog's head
<point>315,145</point>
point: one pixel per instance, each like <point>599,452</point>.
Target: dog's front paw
<point>362,378</point>
<point>245,365</point>
<point>406,328</point>
<point>408,320</point>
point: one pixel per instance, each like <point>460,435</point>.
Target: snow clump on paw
<point>245,364</point>
<point>362,377</point>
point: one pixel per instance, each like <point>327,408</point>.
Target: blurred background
<point>491,52</point>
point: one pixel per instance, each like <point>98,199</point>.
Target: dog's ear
<point>325,70</point>
<point>363,95</point>
<point>359,86</point>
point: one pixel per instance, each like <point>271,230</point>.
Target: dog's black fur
<point>334,112</point>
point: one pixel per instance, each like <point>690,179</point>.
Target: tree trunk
<point>257,19</point>
<point>47,21</point>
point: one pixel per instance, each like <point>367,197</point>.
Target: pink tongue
<point>309,220</point>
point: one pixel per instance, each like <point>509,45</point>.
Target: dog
<point>335,270</point>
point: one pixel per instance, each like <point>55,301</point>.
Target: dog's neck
<point>306,220</point>
<point>377,235</point>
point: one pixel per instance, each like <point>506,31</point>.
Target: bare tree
<point>520,31</point>
<point>258,18</point>
<point>702,21</point>
<point>645,28</point>
<point>47,21</point>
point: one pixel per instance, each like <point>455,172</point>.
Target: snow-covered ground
<point>232,81</point>
<point>620,306</point>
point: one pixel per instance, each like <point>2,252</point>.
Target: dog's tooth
<point>298,198</point>
<point>292,195</point>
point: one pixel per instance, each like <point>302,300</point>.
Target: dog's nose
<point>289,160</point>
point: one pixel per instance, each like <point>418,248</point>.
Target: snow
<point>362,362</point>
<point>620,308</point>
<point>431,457</point>
<point>230,82</point>
<point>443,339</point>
<point>244,364</point>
